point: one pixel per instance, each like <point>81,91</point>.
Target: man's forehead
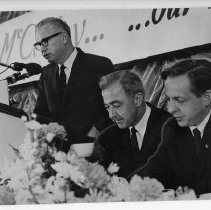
<point>45,30</point>
<point>113,89</point>
<point>178,88</point>
<point>113,95</point>
<point>179,82</point>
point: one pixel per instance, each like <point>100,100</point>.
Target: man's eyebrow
<point>111,103</point>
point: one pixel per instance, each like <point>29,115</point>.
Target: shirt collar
<point>142,124</point>
<point>69,62</point>
<point>202,125</point>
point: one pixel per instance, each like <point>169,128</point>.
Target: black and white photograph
<point>105,104</point>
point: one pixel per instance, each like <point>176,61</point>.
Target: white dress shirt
<point>141,126</point>
<point>202,125</point>
<point>68,64</point>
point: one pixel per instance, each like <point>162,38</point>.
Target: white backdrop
<point>122,35</point>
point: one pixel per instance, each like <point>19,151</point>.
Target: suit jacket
<point>176,162</point>
<point>82,106</point>
<point>114,144</point>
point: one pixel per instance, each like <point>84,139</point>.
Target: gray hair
<point>55,21</point>
<point>131,83</point>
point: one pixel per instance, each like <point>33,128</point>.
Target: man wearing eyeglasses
<point>68,86</point>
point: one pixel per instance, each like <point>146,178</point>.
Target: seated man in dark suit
<point>68,86</point>
<point>136,133</point>
<point>184,155</point>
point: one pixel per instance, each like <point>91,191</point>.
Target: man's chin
<point>121,126</point>
<point>181,123</point>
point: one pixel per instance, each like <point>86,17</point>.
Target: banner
<point>122,35</point>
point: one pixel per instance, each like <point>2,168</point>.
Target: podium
<point>4,95</point>
<point>12,130</point>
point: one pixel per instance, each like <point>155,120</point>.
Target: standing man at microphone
<point>68,86</point>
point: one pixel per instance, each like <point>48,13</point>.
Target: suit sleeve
<point>159,166</point>
<point>100,154</point>
<point>108,67</point>
<point>103,119</point>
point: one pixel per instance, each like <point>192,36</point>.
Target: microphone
<point>13,78</point>
<point>5,65</point>
<point>31,70</point>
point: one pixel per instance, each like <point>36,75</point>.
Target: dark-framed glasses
<point>44,42</point>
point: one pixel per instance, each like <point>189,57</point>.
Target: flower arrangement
<point>46,175</point>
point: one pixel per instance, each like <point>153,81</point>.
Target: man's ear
<point>65,38</point>
<point>207,98</point>
<point>138,99</point>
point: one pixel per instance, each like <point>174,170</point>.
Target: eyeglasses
<point>44,42</point>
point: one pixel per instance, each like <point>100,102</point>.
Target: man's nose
<point>112,112</point>
<point>43,48</point>
<point>172,107</point>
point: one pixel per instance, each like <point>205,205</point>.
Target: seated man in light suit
<point>136,133</point>
<point>184,155</point>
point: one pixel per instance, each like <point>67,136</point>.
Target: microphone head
<point>12,78</point>
<point>33,68</point>
<point>18,66</point>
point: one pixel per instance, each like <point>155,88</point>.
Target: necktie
<point>134,141</point>
<point>62,81</point>
<point>197,141</point>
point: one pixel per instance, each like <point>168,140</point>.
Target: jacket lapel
<point>52,84</point>
<point>128,153</point>
<point>188,152</point>
<point>206,149</point>
<point>148,136</point>
<point>76,71</point>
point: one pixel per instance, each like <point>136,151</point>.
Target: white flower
<point>24,197</point>
<point>120,188</point>
<point>145,189</point>
<point>49,183</point>
<point>37,189</point>
<point>6,196</point>
<point>24,118</point>
<point>38,168</point>
<point>76,175</point>
<point>96,196</point>
<point>72,157</point>
<point>60,156</point>
<point>56,187</point>
<point>33,125</point>
<point>66,171</point>
<point>113,168</point>
<point>62,169</point>
<point>50,137</point>
<point>34,116</point>
<point>187,196</point>
<point>168,195</point>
